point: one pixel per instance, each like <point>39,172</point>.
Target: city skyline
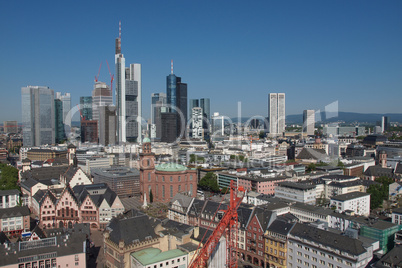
<point>314,52</point>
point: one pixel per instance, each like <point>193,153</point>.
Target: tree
<point>192,158</point>
<point>311,167</point>
<point>340,164</point>
<point>379,192</point>
<point>261,135</point>
<point>209,182</point>
<point>8,178</point>
<point>232,157</point>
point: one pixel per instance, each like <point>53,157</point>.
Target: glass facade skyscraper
<point>58,118</point>
<point>276,113</point>
<point>38,116</point>
<point>86,107</point>
<point>171,93</point>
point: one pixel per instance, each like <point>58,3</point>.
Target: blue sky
<point>316,52</point>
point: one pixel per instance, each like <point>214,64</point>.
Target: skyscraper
<point>276,113</point>
<point>58,118</point>
<point>101,96</point>
<point>66,100</point>
<point>196,123</point>
<point>308,122</point>
<point>176,93</point>
<point>155,97</point>
<point>38,115</point>
<point>107,125</point>
<point>86,107</point>
<point>384,123</point>
<point>206,108</point>
<point>193,103</point>
<point>128,97</point>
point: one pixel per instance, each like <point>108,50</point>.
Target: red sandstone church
<point>165,180</point>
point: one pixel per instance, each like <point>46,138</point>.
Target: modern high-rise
<point>38,115</point>
<point>193,103</point>
<point>155,97</point>
<point>205,104</point>
<point>107,125</point>
<point>66,100</point>
<point>169,127</point>
<point>196,123</point>
<point>89,131</point>
<point>308,121</point>
<point>128,97</point>
<point>101,96</point>
<point>86,107</point>
<point>176,93</point>
<point>384,123</point>
<point>58,121</point>
<point>276,113</point>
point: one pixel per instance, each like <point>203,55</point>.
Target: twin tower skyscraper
<point>128,97</point>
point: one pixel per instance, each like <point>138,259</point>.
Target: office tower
<point>196,123</point>
<point>128,100</point>
<point>193,103</point>
<point>37,115</point>
<point>206,108</point>
<point>86,107</point>
<point>158,119</point>
<point>169,127</point>
<point>276,113</point>
<point>10,126</point>
<point>66,100</point>
<point>107,125</point>
<point>89,131</point>
<point>218,125</point>
<point>384,123</point>
<point>254,123</point>
<point>308,121</point>
<point>101,96</point>
<point>58,121</point>
<point>176,93</point>
<point>155,97</point>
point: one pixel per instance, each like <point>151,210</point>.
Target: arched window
<point>171,191</point>
<point>179,188</point>
<point>163,178</point>
<point>171,178</point>
<point>191,177</point>
<point>179,178</point>
<point>163,191</point>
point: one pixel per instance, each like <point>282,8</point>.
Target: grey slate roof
<point>281,227</point>
<point>349,196</point>
<point>296,185</point>
<point>184,200</point>
<point>264,216</point>
<point>14,212</point>
<point>130,230</point>
<point>340,242</point>
<point>392,259</point>
<point>9,192</point>
<point>4,238</point>
<point>310,153</point>
<point>378,171</point>
<point>44,173</point>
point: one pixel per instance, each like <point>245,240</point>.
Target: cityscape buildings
<point>38,116</point>
<point>66,100</point>
<point>10,126</point>
<point>196,122</point>
<point>107,125</point>
<point>276,113</point>
<point>58,117</point>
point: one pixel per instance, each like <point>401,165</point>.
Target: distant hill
<point>347,117</point>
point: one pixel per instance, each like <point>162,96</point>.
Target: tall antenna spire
<point>120,29</point>
<point>171,66</point>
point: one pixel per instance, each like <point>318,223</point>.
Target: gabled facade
<point>89,212</point>
<point>67,209</point>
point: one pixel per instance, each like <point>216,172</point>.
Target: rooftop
<point>295,185</point>
<point>171,167</point>
<point>153,255</point>
<point>349,196</point>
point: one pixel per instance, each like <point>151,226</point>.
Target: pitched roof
<point>392,259</point>
<point>44,173</point>
<point>9,192</point>
<point>310,153</point>
<point>333,240</point>
<point>264,216</point>
<point>378,171</point>
<point>131,230</point>
<point>184,200</point>
<point>14,212</point>
<point>4,238</point>
<point>281,227</point>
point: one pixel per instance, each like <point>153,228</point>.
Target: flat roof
<point>152,255</point>
<point>295,185</point>
<point>349,196</point>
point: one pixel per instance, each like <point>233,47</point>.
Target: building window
<point>179,178</point>
<point>191,177</point>
<point>171,191</point>
<point>191,188</point>
<point>179,187</point>
<point>163,178</point>
<point>171,178</point>
<point>163,191</point>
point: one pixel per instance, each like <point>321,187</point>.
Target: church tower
<point>147,170</point>
<point>71,154</point>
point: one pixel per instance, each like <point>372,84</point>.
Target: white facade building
<point>357,202</point>
<point>197,120</point>
<point>297,192</point>
<point>276,113</point>
<point>397,216</point>
<point>309,246</point>
<point>9,198</point>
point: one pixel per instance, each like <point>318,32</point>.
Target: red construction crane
<point>111,79</point>
<point>82,117</point>
<point>97,76</point>
<point>228,225</point>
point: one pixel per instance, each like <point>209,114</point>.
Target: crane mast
<point>228,225</point>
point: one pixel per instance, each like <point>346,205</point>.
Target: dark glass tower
<point>58,119</point>
<point>86,107</point>
<point>171,91</point>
